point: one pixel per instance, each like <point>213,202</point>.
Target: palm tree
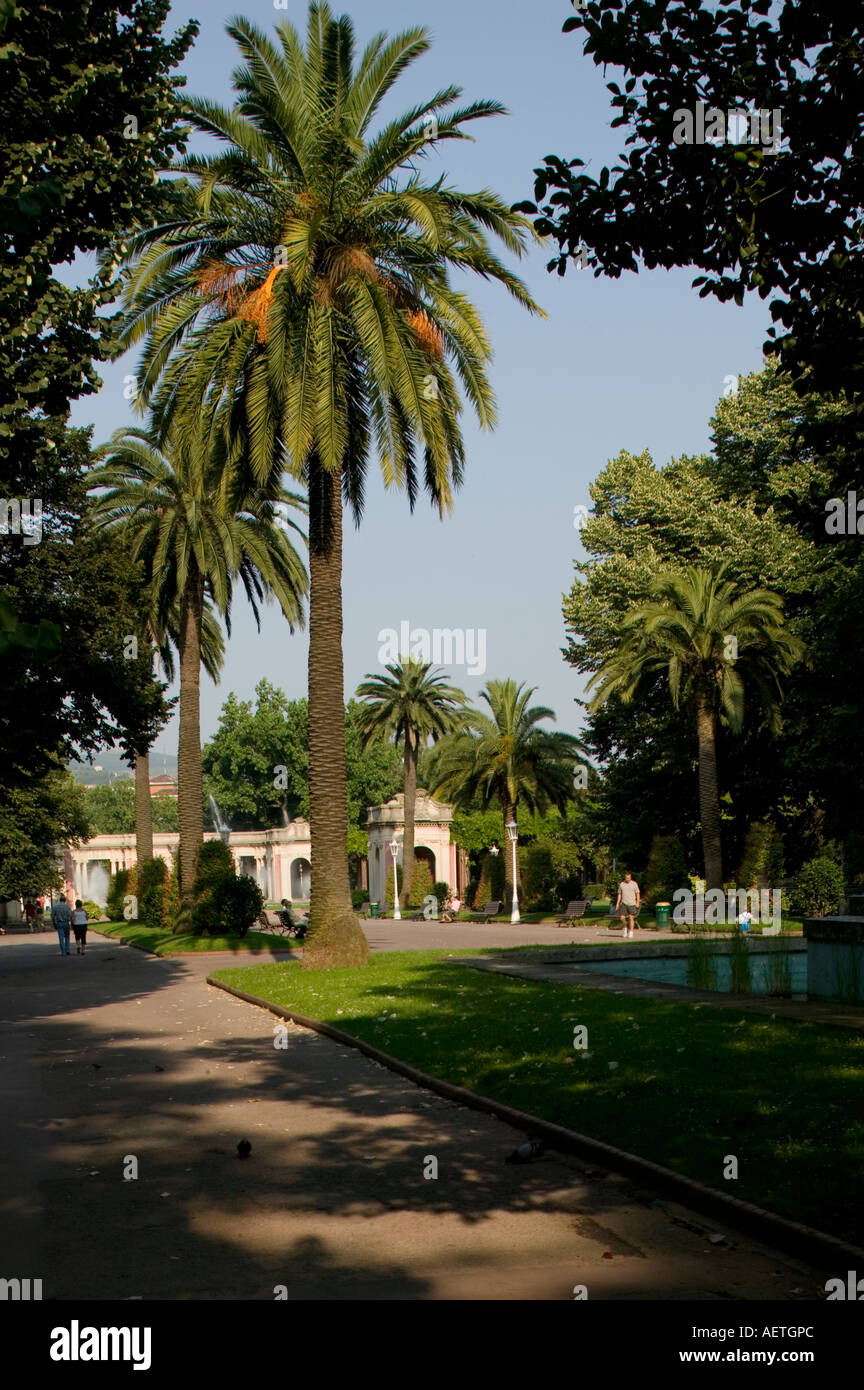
<point>413,707</point>
<point>197,527</point>
<point>507,760</point>
<point>703,631</point>
<point>300,293</point>
<point>212,656</point>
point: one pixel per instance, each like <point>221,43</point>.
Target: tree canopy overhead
<point>757,503</point>
<point>89,110</point>
<point>785,222</point>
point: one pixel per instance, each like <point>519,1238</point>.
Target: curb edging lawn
<point>182,955</point>
<point>805,1242</point>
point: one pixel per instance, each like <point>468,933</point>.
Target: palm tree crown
<point>506,758</point>
<point>412,706</point>
<point>193,520</point>
<point>706,635</point>
<point>299,298</point>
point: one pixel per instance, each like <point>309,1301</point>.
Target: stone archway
<point>424,855</point>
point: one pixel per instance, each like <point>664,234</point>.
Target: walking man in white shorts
<point>629,898</point>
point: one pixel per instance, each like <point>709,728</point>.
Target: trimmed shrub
<point>215,865</point>
<point>490,885</point>
<point>421,884</point>
<point>666,871</point>
<point>442,893</point>
<point>239,902</point>
<point>762,858</point>
<point>224,902</point>
<point>93,910</point>
<point>537,874</point>
<point>154,877</point>
<point>117,890</point>
<point>550,874</point>
<point>359,896</point>
<point>819,887</point>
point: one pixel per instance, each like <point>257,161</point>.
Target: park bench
<point>573,911</point>
<point>488,911</point>
<point>271,921</point>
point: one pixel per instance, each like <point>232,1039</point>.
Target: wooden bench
<point>488,911</point>
<point>573,911</point>
<point>271,921</point>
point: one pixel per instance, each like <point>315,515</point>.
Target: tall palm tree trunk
<point>143,808</point>
<point>709,794</point>
<point>509,810</point>
<point>409,762</point>
<point>335,935</point>
<point>190,813</point>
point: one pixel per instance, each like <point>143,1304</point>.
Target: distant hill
<point>112,768</point>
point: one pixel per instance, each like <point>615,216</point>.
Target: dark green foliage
<point>442,893</point>
<point>154,883</point>
<point>238,903</point>
<point>256,765</point>
<point>214,860</point>
<point>93,910</point>
<point>72,182</point>
<point>762,859</point>
<point>241,760</point>
<point>117,890</point>
<point>758,502</point>
<point>782,223</point>
<point>666,871</point>
<point>111,809</point>
<point>818,888</point>
<point>34,817</point>
<point>222,900</point>
<point>359,896</point>
<point>550,871</point>
<point>71,700</point>
<point>490,885</point>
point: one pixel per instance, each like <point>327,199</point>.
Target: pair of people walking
<point>65,917</point>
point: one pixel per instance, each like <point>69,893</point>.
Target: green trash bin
<point>663,915</point>
<point>373,909</point>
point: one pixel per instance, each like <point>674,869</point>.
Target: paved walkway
<point>389,935</point>
<point>118,1055</point>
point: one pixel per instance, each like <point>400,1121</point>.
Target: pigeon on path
<point>532,1148</point>
<point>244,1148</point>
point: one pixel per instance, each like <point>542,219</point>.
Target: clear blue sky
<point>637,363</point>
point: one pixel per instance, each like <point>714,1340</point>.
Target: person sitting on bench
<point>288,920</point>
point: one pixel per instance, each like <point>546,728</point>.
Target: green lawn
<point>165,943</point>
<point>682,1084</point>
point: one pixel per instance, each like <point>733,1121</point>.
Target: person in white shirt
<point>629,898</point>
<point>79,926</point>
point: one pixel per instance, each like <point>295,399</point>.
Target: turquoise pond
<point>672,970</point>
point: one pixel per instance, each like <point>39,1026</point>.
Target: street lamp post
<point>394,850</point>
<point>513,832</point>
